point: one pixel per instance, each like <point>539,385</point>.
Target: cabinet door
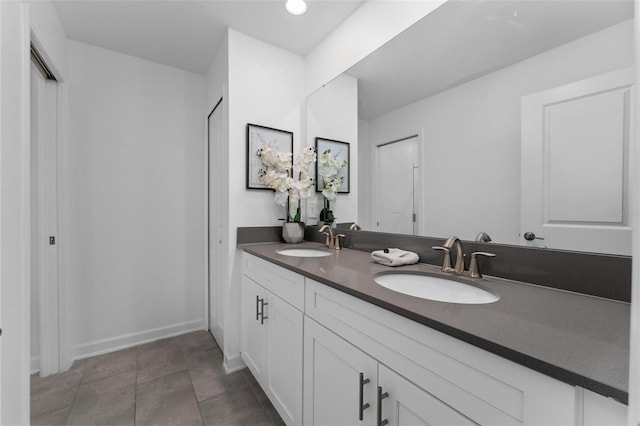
<point>406,404</point>
<point>285,358</point>
<point>332,369</point>
<point>253,343</point>
<point>599,410</point>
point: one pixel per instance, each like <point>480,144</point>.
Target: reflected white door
<point>214,124</point>
<point>575,165</point>
<point>45,328</point>
<point>397,169</point>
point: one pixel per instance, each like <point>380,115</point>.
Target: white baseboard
<point>233,364</point>
<point>112,344</point>
<point>35,365</point>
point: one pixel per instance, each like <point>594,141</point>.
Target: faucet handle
<point>474,272</point>
<point>446,263</point>
<point>336,241</point>
<point>329,241</point>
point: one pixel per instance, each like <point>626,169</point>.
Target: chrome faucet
<point>332,242</point>
<point>355,227</point>
<point>329,241</point>
<point>454,242</point>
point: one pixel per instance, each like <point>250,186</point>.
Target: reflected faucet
<point>483,237</point>
<point>355,227</point>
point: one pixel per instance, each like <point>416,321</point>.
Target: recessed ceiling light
<point>296,7</point>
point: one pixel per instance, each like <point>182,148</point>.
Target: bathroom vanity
<point>329,346</point>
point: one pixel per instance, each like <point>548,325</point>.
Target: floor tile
<point>110,364</point>
<point>210,380</point>
<point>109,401</point>
<point>175,381</point>
<point>53,392</point>
<point>159,360</point>
<point>54,418</point>
<point>235,408</point>
<point>169,400</point>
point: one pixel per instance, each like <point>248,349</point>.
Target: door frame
<point>64,313</point>
<point>216,331</point>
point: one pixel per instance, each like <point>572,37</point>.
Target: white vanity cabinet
<point>430,378</point>
<point>342,383</point>
<point>271,333</point>
<point>359,364</point>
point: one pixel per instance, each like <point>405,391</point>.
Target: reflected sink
<point>303,252</point>
<point>435,288</point>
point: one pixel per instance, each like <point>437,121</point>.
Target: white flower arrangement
<point>276,174</point>
<point>328,167</point>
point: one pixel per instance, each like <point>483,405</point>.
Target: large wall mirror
<point>512,118</point>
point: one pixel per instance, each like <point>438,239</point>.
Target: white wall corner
<point>369,27</point>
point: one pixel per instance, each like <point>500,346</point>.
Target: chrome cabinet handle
<point>381,396</point>
<point>260,304</point>
<point>362,405</point>
<point>257,307</point>
<point>262,317</point>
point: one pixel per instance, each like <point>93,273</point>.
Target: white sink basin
<point>435,288</point>
<point>303,252</point>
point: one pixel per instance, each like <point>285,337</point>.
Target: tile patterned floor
<point>175,381</point>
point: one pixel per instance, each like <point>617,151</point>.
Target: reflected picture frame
<point>257,136</point>
<point>341,150</point>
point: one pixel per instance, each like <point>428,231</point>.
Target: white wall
<point>365,160</point>
<point>266,87</point>
<point>332,113</point>
<point>472,135</point>
<point>369,27</point>
<point>135,198</point>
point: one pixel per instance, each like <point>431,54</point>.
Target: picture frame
<point>256,137</point>
<point>341,150</point>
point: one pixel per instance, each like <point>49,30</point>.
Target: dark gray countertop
<point>578,339</point>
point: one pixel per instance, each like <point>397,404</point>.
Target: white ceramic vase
<point>293,232</point>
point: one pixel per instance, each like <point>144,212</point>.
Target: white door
<point>332,387</point>
<point>214,132</point>
<point>45,331</point>
<point>405,404</point>
<point>285,358</point>
<point>395,209</point>
<point>575,165</point>
<point>253,343</point>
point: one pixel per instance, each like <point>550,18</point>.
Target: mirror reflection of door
<point>575,165</point>
<point>396,181</point>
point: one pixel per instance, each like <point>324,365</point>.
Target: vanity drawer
<point>487,388</point>
<point>282,282</point>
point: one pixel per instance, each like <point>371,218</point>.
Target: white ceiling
<point>464,39</point>
<point>187,33</point>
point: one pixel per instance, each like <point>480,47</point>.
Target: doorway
<point>215,221</point>
<point>45,322</point>
<point>397,180</point>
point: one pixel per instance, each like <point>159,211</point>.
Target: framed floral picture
<point>332,167</point>
<point>257,138</point>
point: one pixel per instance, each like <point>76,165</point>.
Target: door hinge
<point>414,218</point>
<point>52,241</point>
